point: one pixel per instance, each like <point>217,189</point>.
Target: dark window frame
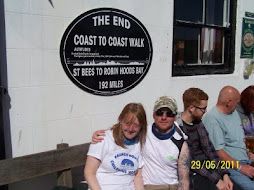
<point>229,55</point>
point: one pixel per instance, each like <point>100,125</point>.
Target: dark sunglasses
<point>161,112</point>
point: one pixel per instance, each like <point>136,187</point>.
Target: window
<point>204,37</point>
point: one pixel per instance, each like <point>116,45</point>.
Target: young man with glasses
<point>206,170</point>
<point>165,154</point>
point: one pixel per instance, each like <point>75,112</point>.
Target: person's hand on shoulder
<point>98,136</point>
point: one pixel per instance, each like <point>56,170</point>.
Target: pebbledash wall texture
<point>47,108</point>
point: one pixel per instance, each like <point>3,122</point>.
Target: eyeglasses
<point>161,112</point>
<point>201,109</point>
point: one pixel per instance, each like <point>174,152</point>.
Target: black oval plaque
<point>106,51</point>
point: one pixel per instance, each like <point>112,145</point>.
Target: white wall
<point>47,108</point>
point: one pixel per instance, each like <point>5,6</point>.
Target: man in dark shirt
<point>205,164</point>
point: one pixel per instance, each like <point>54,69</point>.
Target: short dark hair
<point>247,99</point>
<point>193,96</point>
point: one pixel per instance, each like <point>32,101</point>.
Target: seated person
<point>202,151</point>
<point>114,163</point>
<point>245,109</point>
<point>165,154</point>
<point>225,131</point>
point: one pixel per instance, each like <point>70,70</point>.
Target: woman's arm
<point>138,180</point>
<point>184,168</point>
<point>92,164</point>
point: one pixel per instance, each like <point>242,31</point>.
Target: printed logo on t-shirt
<point>246,121</point>
<point>171,158</point>
<point>125,163</point>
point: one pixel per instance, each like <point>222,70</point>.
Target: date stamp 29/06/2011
<point>208,164</point>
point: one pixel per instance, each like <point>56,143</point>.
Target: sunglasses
<point>161,112</point>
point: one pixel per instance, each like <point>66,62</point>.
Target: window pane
<point>189,10</point>
<point>186,45</point>
<point>214,12</point>
<point>211,46</point>
<point>204,33</point>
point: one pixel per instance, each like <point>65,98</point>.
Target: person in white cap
<point>165,154</point>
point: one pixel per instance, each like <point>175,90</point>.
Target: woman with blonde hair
<point>115,162</point>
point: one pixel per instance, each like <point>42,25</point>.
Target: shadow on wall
<point>50,1</point>
<point>5,137</point>
<point>5,100</point>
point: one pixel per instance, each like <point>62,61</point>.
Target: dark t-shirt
<point>194,141</point>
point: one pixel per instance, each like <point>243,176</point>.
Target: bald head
<point>228,92</point>
<point>228,99</point>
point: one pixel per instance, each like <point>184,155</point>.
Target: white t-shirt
<point>160,159</point>
<point>118,165</point>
